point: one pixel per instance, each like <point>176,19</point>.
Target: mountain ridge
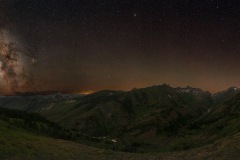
<point>153,119</point>
<point>50,92</point>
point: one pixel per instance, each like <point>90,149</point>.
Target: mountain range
<point>153,120</point>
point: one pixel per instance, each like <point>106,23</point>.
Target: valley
<point>158,120</point>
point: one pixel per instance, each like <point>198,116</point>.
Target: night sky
<point>89,45</point>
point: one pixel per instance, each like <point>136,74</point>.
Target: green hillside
<point>20,144</point>
<point>156,119</point>
<point>142,120</point>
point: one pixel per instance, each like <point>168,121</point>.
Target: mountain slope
<point>223,120</point>
<point>141,120</point>
<point>16,143</point>
<point>154,119</point>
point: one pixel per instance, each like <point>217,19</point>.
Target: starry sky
<point>81,46</point>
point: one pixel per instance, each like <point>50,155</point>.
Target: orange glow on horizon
<point>86,92</point>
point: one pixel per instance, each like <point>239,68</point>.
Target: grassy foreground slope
<point>149,120</point>
<point>19,144</point>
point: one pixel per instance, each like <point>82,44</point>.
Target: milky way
<point>12,76</point>
<point>78,46</point>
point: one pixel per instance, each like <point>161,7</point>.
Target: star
<point>34,60</point>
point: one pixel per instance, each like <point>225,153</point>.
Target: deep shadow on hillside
<point>158,119</point>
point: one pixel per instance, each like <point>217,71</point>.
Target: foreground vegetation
<point>19,144</point>
<point>159,122</point>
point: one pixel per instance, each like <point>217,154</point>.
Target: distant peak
<point>230,90</point>
<point>234,88</point>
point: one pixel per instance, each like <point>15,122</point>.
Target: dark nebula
<point>82,46</point>
<point>14,77</point>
